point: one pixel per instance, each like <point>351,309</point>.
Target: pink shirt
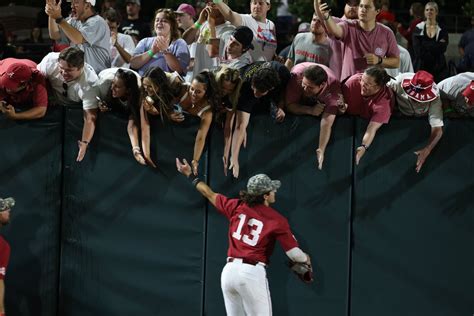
<point>330,95</point>
<point>376,108</point>
<point>253,231</point>
<point>357,42</point>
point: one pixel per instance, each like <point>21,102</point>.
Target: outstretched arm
<point>369,136</point>
<point>237,140</point>
<point>436,133</point>
<point>185,169</point>
<point>201,135</point>
<point>324,135</point>
<point>324,14</point>
<point>229,121</point>
<point>229,15</point>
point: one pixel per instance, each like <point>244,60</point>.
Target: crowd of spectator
<point>222,67</point>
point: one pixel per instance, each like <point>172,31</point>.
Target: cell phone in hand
<point>102,103</point>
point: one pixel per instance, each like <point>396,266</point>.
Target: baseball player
<point>253,229</point>
<point>4,257</point>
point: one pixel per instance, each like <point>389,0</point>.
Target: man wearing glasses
<point>71,81</point>
<point>23,94</point>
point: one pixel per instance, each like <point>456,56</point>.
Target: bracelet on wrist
<point>217,1</point>
<point>448,110</point>
<point>194,179</point>
<point>197,25</point>
<point>150,53</point>
<point>365,147</point>
<point>327,17</point>
<point>380,60</point>
<point>136,150</point>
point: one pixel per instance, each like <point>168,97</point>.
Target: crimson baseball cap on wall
<point>13,73</point>
<point>469,92</point>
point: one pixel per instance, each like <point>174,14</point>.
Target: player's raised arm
<point>185,169</point>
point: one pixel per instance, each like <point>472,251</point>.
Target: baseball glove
<point>303,270</point>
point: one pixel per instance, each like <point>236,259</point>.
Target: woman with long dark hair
<point>119,91</point>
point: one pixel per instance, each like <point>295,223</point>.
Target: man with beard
<point>4,258</point>
<point>313,46</point>
<point>84,29</point>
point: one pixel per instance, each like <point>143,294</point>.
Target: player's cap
<point>421,87</point>
<point>14,74</point>
<point>261,183</point>
<point>92,2</point>
<point>304,27</point>
<point>133,1</point>
<point>469,92</point>
<point>244,36</point>
<point>186,8</point>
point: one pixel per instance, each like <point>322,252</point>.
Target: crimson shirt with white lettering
<point>253,231</point>
<point>4,257</point>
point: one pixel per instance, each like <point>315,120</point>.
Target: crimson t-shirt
<point>4,257</point>
<point>376,108</point>
<point>254,230</point>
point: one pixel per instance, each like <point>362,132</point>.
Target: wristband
<point>217,1</point>
<point>58,21</point>
<point>380,60</point>
<point>150,53</point>
<point>197,25</point>
<point>448,110</point>
<point>194,180</point>
<point>84,142</point>
<point>365,147</point>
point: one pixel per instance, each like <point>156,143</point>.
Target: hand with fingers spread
<point>320,158</point>
<point>421,154</point>
<point>183,167</point>
<point>234,166</point>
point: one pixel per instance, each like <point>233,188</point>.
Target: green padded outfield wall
<point>317,204</point>
<point>413,248</point>
<point>30,171</point>
<point>132,236</point>
<point>132,239</point>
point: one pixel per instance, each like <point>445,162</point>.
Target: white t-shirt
<point>96,48</point>
<point>264,38</point>
<point>126,41</point>
<point>405,63</point>
<point>451,90</point>
<point>78,91</point>
<point>409,107</point>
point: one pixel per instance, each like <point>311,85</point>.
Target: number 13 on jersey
<point>256,227</point>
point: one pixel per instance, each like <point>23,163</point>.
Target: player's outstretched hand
<point>183,167</point>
